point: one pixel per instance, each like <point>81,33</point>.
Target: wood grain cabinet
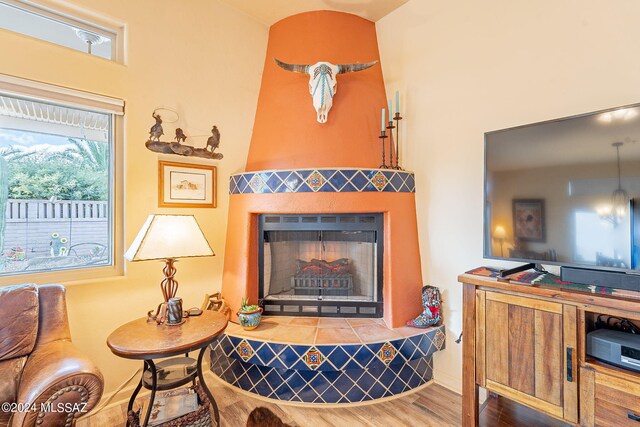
<point>608,400</point>
<point>526,350</point>
<point>528,344</point>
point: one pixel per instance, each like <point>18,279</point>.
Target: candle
<point>390,118</point>
<point>382,128</point>
<point>397,102</point>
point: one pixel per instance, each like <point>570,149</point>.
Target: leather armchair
<point>44,379</point>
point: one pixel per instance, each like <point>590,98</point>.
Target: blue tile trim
<point>325,180</point>
<point>350,386</point>
<point>345,373</point>
<point>333,357</point>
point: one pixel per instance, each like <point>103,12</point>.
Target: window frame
<point>18,87</point>
<point>75,18</point>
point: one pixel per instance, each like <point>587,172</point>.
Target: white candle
<point>382,127</point>
<point>390,118</point>
<point>397,102</point>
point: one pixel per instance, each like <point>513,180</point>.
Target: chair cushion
<point>10,373</point>
<point>18,320</point>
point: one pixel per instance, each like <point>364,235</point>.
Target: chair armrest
<point>59,384</point>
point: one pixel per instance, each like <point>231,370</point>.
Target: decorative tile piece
<point>244,350</point>
<point>379,181</point>
<point>386,353</point>
<point>438,339</point>
<point>257,184</point>
<point>323,180</point>
<point>315,180</point>
<point>313,358</point>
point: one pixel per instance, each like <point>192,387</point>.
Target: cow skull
<point>322,81</point>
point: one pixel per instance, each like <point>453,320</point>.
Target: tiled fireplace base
<point>326,373</point>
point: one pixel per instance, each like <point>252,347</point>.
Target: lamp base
<point>169,285</point>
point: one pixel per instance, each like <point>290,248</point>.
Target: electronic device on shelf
<point>567,192</point>
<point>615,347</point>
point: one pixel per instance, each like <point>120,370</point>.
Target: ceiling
<point>270,12</point>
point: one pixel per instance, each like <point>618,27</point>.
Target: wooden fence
<point>30,223</point>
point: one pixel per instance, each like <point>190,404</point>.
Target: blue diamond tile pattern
<point>332,180</point>
<point>349,373</point>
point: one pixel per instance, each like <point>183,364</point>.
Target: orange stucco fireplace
<point>296,165</point>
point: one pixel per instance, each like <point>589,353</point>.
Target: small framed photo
<point>528,220</point>
<point>185,185</point>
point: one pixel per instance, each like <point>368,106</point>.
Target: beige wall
<point>200,58</point>
<point>467,67</point>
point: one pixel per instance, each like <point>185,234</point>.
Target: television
<point>567,192</point>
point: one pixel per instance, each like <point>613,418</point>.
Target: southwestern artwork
<point>185,185</point>
<point>528,220</point>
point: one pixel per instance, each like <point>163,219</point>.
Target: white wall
<point>467,67</point>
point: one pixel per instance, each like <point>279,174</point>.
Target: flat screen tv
<point>566,192</point>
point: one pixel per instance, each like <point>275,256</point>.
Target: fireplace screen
<point>321,258</point>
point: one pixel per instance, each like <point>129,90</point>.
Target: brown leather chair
<point>41,372</point>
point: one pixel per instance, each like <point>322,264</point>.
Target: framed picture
<point>528,220</point>
<point>185,185</point>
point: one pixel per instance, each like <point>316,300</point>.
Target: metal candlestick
<point>397,118</point>
<point>383,136</point>
<point>390,126</point>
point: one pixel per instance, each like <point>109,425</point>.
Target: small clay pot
<point>250,320</point>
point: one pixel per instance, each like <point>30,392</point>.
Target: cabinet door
<point>529,352</point>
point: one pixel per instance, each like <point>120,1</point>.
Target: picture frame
<point>529,220</point>
<point>186,185</point>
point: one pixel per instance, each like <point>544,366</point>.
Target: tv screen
<point>566,191</point>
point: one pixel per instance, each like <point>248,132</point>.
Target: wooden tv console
<point>528,343</point>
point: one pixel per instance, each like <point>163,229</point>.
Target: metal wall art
<point>178,146</point>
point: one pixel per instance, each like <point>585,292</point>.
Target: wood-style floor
<point>431,406</point>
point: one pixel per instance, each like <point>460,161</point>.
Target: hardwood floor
<point>431,406</point>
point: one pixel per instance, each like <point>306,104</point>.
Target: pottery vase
<point>250,320</point>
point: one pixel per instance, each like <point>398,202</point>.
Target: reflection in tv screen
<point>566,191</point>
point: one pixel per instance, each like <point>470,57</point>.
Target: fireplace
<point>298,169</point>
<point>321,265</point>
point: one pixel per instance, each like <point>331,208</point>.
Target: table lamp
<point>167,237</point>
<point>500,234</point>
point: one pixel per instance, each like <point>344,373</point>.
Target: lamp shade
<point>499,233</point>
<point>168,237</point>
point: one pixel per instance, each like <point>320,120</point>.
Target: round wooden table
<point>145,340</point>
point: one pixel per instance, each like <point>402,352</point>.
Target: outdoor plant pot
<point>250,319</point>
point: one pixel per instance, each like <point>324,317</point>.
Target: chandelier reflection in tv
<point>615,212</point>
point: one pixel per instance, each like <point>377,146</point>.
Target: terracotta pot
<point>251,319</point>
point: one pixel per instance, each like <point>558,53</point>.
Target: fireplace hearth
<point>321,264</point>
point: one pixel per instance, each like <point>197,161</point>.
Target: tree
<point>92,154</point>
<point>78,173</point>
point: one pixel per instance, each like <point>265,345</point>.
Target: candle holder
<point>383,136</point>
<point>392,150</point>
<point>397,118</point>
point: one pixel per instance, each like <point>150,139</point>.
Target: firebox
<point>321,265</point>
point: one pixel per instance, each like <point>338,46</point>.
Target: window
<point>57,179</point>
<point>30,19</point>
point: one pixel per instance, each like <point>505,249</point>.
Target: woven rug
<point>548,279</point>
